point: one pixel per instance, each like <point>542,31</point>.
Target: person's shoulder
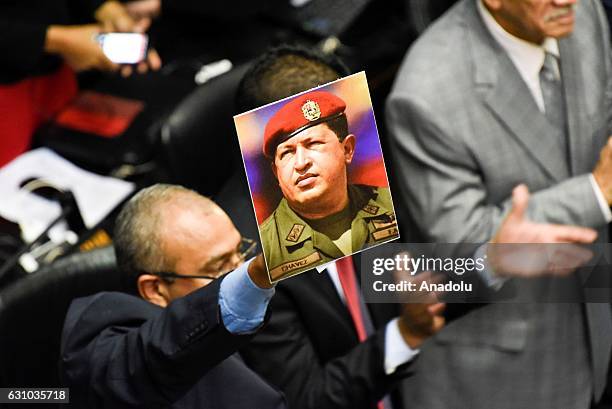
<point>442,37</point>
<point>88,316</point>
<point>592,7</point>
<point>109,306</point>
<point>438,57</point>
<point>370,198</point>
<point>591,19</point>
<point>269,223</point>
<point>270,236</point>
<point>382,197</point>
<point>373,192</point>
<point>104,298</point>
<point>383,194</point>
<point>268,228</point>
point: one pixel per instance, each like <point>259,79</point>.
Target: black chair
<point>132,151</point>
<point>198,139</point>
<point>32,312</point>
<point>235,199</point>
<point>202,151</point>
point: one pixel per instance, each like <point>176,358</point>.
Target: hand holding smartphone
<point>124,48</point>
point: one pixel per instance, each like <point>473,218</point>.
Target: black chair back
<point>32,312</point>
<point>199,139</point>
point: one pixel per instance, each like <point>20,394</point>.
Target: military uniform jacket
<point>292,246</point>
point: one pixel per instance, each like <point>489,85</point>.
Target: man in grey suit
<point>495,94</point>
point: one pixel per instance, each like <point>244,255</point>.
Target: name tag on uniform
<point>295,265</point>
<point>386,233</point>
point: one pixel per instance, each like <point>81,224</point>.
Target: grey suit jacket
<point>466,130</point>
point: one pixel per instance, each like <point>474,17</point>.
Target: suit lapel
<point>322,285</point>
<point>507,96</point>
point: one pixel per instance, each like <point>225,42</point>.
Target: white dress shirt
<point>528,59</point>
<point>397,352</point>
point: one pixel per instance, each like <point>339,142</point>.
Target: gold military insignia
<point>370,209</point>
<point>295,232</point>
<point>385,234</point>
<point>311,110</point>
<point>288,267</point>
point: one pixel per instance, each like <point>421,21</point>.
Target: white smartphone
<point>124,48</point>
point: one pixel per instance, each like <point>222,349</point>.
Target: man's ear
<point>273,167</point>
<point>153,289</point>
<point>348,144</point>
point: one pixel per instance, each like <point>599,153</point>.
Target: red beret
<point>310,109</point>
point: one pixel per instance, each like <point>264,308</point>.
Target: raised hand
<point>522,248</point>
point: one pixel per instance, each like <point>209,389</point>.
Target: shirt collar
<point>527,57</point>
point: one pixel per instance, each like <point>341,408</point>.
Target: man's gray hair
<point>138,229</point>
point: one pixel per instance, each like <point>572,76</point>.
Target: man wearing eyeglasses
<point>195,302</point>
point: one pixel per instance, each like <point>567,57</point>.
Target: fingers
<point>125,24</point>
<point>126,71</point>
<point>103,62</point>
<point>419,321</point>
<point>567,258</point>
<point>143,8</point>
<point>142,67</point>
<point>436,309</point>
<point>154,60</point>
<point>568,234</point>
<point>438,324</point>
<point>423,287</point>
<point>142,25</point>
<point>94,30</point>
<point>520,199</point>
<point>258,273</point>
<point>115,15</point>
<point>107,65</point>
<point>430,278</point>
<point>403,274</point>
<point>107,26</point>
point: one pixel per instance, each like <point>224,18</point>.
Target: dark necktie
<point>552,91</point>
<point>554,100</point>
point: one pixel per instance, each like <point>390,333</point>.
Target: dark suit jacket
<point>311,351</point>
<point>119,351</point>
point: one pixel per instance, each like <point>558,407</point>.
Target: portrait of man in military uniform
<point>322,214</point>
<point>321,217</point>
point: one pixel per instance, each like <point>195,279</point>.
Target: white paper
<point>95,195</point>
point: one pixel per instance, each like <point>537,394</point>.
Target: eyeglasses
<point>245,249</point>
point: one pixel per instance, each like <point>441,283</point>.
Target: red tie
<point>348,281</point>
